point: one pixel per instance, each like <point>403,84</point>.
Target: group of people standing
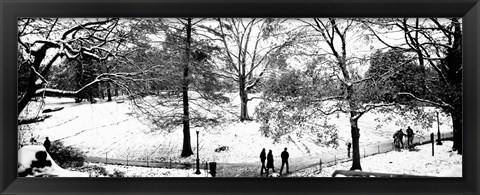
<point>284,155</point>
<point>398,138</point>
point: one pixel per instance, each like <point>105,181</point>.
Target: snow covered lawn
<point>109,129</point>
<point>445,163</point>
<point>135,171</point>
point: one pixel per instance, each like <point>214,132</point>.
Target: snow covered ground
<point>28,154</point>
<point>113,130</point>
<point>444,163</point>
<point>135,171</point>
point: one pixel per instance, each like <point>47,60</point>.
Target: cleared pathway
<point>253,169</point>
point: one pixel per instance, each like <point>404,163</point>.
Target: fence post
<point>378,149</point>
<point>147,162</point>
<point>106,158</point>
<point>127,160</point>
<point>431,138</point>
<point>364,154</point>
<point>320,164</point>
<point>170,162</point>
<point>335,158</point>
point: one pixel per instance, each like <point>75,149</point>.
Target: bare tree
<point>187,147</point>
<point>250,47</point>
<point>350,82</point>
<point>436,44</point>
<point>185,70</point>
<point>333,83</point>
<point>44,43</point>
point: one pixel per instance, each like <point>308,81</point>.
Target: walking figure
<point>270,161</point>
<point>284,156</point>
<point>398,139</point>
<point>409,137</point>
<point>349,146</point>
<point>263,156</point>
<point>47,144</point>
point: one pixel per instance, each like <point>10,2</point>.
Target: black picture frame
<point>10,10</point>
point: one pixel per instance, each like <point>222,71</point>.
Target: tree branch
<point>330,98</point>
<point>442,104</point>
<point>82,26</point>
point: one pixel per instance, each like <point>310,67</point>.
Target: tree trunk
<point>187,146</point>
<point>109,93</point>
<point>454,63</point>
<point>116,91</point>
<point>243,100</point>
<point>355,131</point>
<point>26,98</point>
<point>457,121</point>
<point>102,92</point>
<point>32,87</point>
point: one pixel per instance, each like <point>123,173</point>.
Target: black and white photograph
<point>240,97</point>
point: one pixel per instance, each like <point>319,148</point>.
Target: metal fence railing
<point>374,149</point>
<point>252,169</point>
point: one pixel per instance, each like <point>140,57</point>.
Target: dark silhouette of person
<point>284,156</point>
<point>270,161</point>
<point>47,144</point>
<point>398,138</point>
<point>409,137</point>
<point>349,146</point>
<point>263,156</point>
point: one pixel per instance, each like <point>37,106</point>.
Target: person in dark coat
<point>270,161</point>
<point>409,137</point>
<point>263,156</point>
<point>398,136</point>
<point>284,156</point>
<point>47,144</point>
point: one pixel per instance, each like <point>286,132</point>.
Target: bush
<point>99,171</point>
<point>117,173</point>
<point>66,156</point>
<point>93,170</point>
<point>327,137</point>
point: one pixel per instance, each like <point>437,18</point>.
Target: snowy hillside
<point>112,130</point>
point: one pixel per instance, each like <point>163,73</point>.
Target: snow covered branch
<point>252,98</point>
<point>441,104</point>
<point>330,98</point>
<point>369,107</point>
<point>66,93</point>
<point>255,82</point>
<point>39,75</point>
<point>332,111</point>
<point>372,77</point>
<point>84,26</point>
